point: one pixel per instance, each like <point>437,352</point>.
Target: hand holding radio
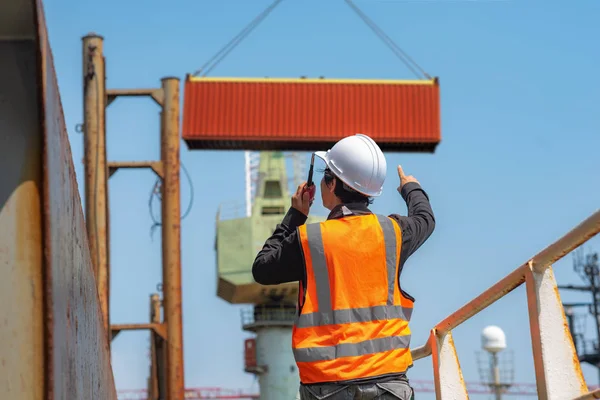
<point>305,194</point>
<point>303,198</point>
<point>312,189</point>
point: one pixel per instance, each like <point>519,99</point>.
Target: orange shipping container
<point>309,114</point>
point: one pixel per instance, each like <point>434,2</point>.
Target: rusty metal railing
<point>551,339</point>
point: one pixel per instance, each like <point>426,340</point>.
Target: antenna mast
<point>499,379</point>
<point>589,271</point>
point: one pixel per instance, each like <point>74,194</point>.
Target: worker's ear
<point>332,186</point>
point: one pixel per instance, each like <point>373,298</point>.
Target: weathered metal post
<point>171,237</point>
<point>156,381</point>
<point>96,171</point>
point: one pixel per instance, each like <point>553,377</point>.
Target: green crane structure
<point>238,240</point>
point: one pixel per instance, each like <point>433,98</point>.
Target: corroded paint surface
<point>484,300</point>
<point>448,377</point>
<point>77,349</point>
<point>171,238</point>
<point>21,288</point>
<point>591,395</point>
<point>557,369</point>
<point>95,183</point>
<point>421,351</point>
<point>580,234</point>
<point>573,239</point>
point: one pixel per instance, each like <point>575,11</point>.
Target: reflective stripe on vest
<point>352,349</point>
<point>328,339</point>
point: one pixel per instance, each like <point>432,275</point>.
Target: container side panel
<point>21,285</point>
<point>78,351</point>
<point>268,115</point>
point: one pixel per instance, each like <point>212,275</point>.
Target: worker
<point>351,336</point>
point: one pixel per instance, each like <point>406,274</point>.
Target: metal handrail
<point>595,394</point>
<point>537,264</point>
<point>557,250</point>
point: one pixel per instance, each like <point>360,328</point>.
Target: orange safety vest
<point>353,322</point>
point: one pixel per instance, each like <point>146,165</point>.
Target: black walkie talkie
<point>309,182</point>
<point>310,186</point>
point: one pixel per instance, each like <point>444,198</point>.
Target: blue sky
<point>516,169</point>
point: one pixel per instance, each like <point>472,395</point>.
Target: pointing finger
<point>400,171</point>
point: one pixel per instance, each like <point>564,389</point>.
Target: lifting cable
<point>387,40</point>
<point>156,192</point>
<point>221,54</point>
<point>237,39</point>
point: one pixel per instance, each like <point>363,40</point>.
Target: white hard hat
<point>358,162</point>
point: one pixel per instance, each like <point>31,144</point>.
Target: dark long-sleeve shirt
<point>281,259</point>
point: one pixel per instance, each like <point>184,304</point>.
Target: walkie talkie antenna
<point>309,182</point>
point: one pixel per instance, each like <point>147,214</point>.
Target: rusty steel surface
<point>484,300</point>
<point>167,370</point>
<point>575,238</point>
<point>21,248</point>
<point>309,114</point>
<point>96,172</point>
<point>158,328</point>
<point>448,377</point>
<point>155,166</point>
<point>588,396</point>
<point>171,238</point>
<point>551,339</point>
<point>550,335</point>
<point>77,352</point>
<point>157,378</point>
<point>155,94</point>
<point>422,351</point>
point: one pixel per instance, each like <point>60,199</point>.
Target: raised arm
<point>420,222</point>
<point>281,259</point>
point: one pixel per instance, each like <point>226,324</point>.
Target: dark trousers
<point>393,390</point>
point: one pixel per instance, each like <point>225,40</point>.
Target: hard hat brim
<point>322,155</point>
